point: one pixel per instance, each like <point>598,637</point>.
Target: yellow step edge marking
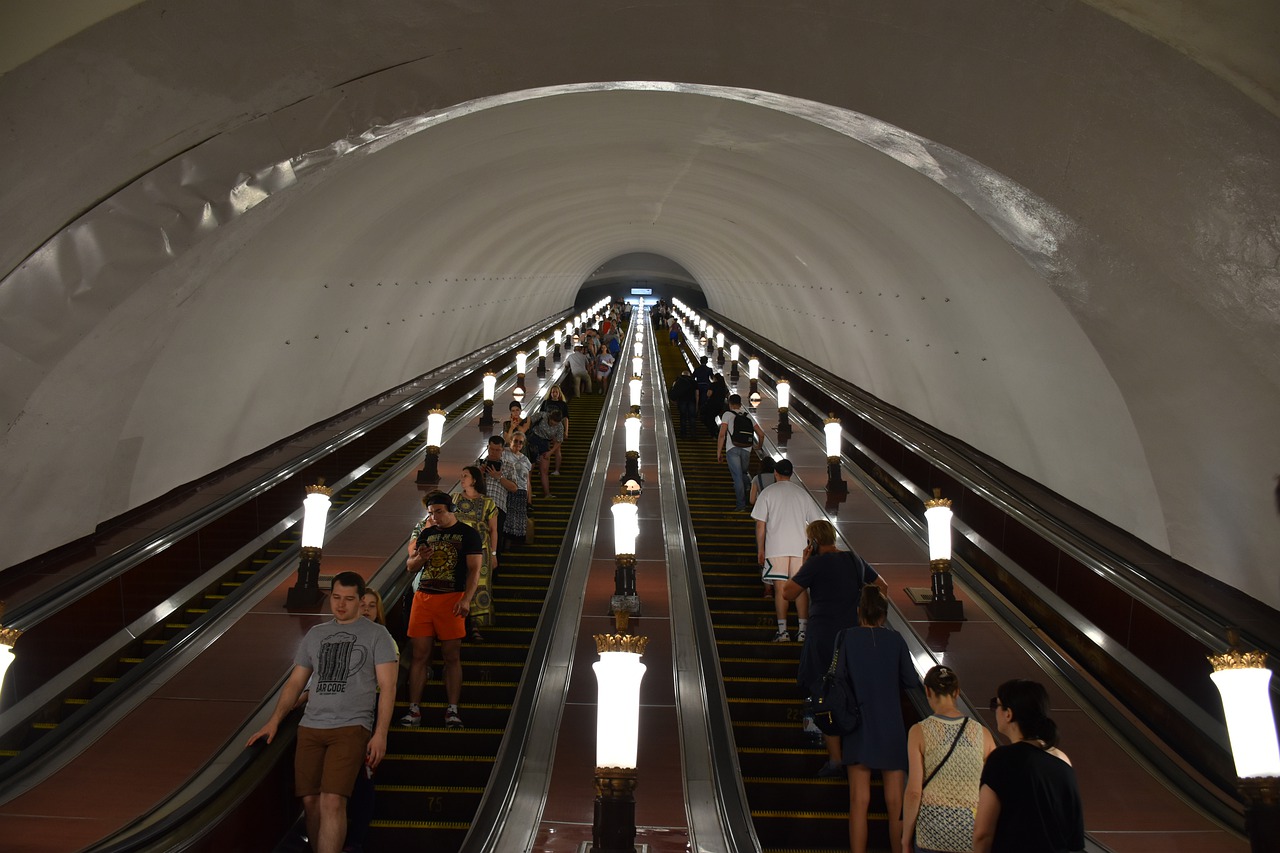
<point>421,824</point>
<point>431,789</point>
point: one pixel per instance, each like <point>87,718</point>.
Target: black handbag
<point>836,710</point>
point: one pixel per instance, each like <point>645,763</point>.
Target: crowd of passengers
<point>947,786</point>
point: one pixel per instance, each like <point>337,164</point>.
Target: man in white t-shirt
<point>580,369</point>
<point>782,512</point>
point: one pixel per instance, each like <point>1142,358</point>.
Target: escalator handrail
<point>1189,615</point>
<point>115,700</point>
<point>30,613</point>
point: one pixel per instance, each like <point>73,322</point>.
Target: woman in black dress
<point>875,660</point>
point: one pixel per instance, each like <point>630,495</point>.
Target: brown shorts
<point>326,761</point>
<point>432,616</point>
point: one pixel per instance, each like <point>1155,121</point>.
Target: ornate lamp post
<point>430,472</point>
<point>522,364</point>
<point>632,428</point>
<point>8,636</point>
<point>834,441</point>
<point>618,675</point>
<point>626,529</point>
<point>753,374</point>
<point>734,352</point>
<point>1244,681</point>
<point>556,338</point>
<point>305,594</point>
<point>783,390</point>
<point>637,365</point>
<point>720,349</point>
<point>940,599</point>
<point>490,385</point>
<point>542,357</point>
<point>635,386</point>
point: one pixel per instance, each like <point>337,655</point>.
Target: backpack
<point>742,433</point>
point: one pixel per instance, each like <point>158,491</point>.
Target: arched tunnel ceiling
<point>324,279</point>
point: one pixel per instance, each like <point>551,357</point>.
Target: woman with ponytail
<point>876,662</point>
<point>946,751</point>
<point>1029,799</point>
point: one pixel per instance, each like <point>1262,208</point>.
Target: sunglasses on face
<point>995,704</point>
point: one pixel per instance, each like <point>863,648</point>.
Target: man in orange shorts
<point>352,659</point>
<point>449,554</point>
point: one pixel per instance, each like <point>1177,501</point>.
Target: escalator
<point>791,808</point>
<point>432,780</point>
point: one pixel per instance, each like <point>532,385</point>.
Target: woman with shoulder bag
<point>945,751</point>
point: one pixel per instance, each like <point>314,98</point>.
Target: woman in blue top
<point>875,660</point>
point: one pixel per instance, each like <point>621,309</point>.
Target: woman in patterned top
<point>942,782</point>
<point>477,509</point>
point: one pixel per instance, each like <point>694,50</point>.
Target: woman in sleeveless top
<point>939,814</point>
<point>478,510</point>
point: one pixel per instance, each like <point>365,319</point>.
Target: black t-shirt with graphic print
<point>446,568</point>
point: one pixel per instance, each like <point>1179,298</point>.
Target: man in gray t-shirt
<point>354,664</point>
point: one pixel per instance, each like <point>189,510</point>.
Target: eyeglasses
<point>995,704</point>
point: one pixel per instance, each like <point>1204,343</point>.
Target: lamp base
<point>303,598</point>
<point>938,610</point>
<point>1262,812</point>
<point>613,827</point>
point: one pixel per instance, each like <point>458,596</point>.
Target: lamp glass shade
<point>632,427</point>
<point>734,352</point>
<point>1246,699</point>
<point>626,526</point>
<point>490,386</point>
<point>939,520</point>
<point>637,366</point>
<point>784,394</point>
<point>753,368</point>
<point>719,340</point>
<point>557,337</point>
<point>635,385</point>
<point>832,431</point>
<point>638,348</point>
<point>6,658</point>
<point>517,394</point>
<point>542,348</point>
<point>315,515</point>
<point>522,361</point>
<point>618,676</point>
<point>711,332</point>
<point>435,428</point>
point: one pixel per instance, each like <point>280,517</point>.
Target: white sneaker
<point>782,637</point>
<point>413,719</point>
<point>800,637</point>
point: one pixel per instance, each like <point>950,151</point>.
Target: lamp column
<point>490,385</point>
<point>430,472</point>
<point>618,675</point>
<point>832,433</point>
<point>305,594</point>
<point>1244,679</point>
<point>8,637</point>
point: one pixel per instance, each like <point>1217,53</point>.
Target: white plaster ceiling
<point>1077,285</point>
